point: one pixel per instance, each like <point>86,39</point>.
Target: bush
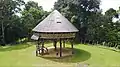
<point>22,40</point>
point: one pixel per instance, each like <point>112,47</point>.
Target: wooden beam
<point>60,48</point>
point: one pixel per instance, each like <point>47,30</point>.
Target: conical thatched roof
<point>55,23</point>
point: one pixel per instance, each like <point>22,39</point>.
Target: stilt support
<point>37,48</point>
<point>60,48</point>
<point>42,47</point>
<point>72,47</point>
<point>63,43</point>
<point>55,43</point>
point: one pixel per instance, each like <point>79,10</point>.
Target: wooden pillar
<point>55,43</point>
<point>37,47</point>
<point>60,48</point>
<point>42,47</point>
<point>63,43</point>
<point>72,46</point>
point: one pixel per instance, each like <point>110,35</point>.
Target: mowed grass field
<point>23,55</point>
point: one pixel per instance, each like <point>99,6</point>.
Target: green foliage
<point>8,23</point>
<point>79,12</point>
<point>18,27</point>
<point>104,29</point>
<point>14,30</point>
<point>88,18</point>
<point>31,16</point>
<point>84,14</point>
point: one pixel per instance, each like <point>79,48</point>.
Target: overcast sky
<point>105,4</point>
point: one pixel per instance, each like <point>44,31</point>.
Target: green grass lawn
<point>23,55</point>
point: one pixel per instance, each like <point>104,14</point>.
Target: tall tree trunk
<point>2,21</point>
<point>29,34</point>
<point>3,36</point>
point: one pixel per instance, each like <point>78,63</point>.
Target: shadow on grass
<point>78,56</point>
<point>15,47</point>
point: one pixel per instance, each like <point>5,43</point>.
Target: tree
<point>32,4</point>
<point>14,30</point>
<point>80,11</point>
<point>8,8</point>
<point>105,30</point>
<point>31,16</point>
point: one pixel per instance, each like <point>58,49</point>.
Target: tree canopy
<point>86,15</point>
<point>79,12</point>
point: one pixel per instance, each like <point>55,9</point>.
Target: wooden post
<point>55,43</point>
<point>60,48</point>
<point>63,43</point>
<point>72,46</point>
<point>37,46</point>
<point>37,50</point>
<point>42,47</point>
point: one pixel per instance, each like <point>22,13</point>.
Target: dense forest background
<point>16,23</point>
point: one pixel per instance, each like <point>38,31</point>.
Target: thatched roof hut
<point>54,26</point>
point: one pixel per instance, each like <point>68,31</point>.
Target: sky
<point>105,4</point>
<point>46,4</point>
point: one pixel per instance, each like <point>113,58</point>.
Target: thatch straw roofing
<point>55,23</point>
